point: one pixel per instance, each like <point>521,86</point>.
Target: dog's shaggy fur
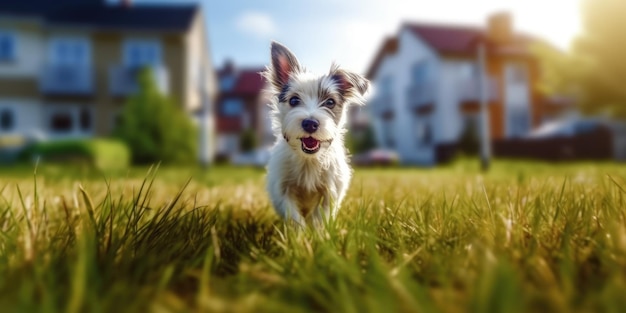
<point>308,171</point>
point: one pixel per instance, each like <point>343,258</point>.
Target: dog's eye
<point>330,103</point>
<point>294,101</point>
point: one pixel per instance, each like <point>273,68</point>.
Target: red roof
<point>453,39</point>
<point>249,82</point>
<point>445,38</point>
<point>227,124</point>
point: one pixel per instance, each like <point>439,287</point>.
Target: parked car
<point>567,128</point>
<point>376,157</point>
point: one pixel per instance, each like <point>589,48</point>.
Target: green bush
<point>361,141</point>
<point>155,128</point>
<point>469,143</point>
<point>99,153</point>
<point>248,140</point>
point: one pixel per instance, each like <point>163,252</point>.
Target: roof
<point>457,40</point>
<point>249,82</point>
<point>446,38</point>
<point>390,45</point>
<point>160,17</point>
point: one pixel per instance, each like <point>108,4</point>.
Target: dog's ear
<point>284,63</point>
<point>351,85</point>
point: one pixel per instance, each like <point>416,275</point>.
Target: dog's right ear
<point>284,63</point>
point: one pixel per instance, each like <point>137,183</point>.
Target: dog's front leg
<point>324,211</point>
<point>290,212</point>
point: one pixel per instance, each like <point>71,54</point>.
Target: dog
<point>308,170</point>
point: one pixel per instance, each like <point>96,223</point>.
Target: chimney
<point>229,67</point>
<point>500,27</point>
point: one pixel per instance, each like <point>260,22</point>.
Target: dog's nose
<point>310,126</point>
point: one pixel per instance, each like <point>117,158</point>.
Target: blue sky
<point>350,31</point>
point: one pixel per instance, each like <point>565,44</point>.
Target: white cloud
<point>258,24</point>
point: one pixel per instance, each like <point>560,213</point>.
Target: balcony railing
<point>469,89</point>
<point>421,95</point>
<point>124,80</point>
<point>66,79</point>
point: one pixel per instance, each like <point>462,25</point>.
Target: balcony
<point>66,80</point>
<point>124,80</point>
<point>382,104</point>
<point>421,96</point>
<point>469,90</point>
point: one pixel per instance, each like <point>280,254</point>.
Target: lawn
<point>525,237</point>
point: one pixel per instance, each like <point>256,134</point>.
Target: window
<point>7,46</point>
<point>7,120</point>
<point>424,133</point>
<point>85,120</point>
<point>61,122</point>
<point>139,53</point>
<point>69,51</point>
<point>471,125</point>
<point>386,85</point>
<point>518,121</point>
<point>227,83</point>
<point>468,70</point>
<point>517,74</point>
<point>387,132</point>
<point>419,72</point>
<point>232,107</point>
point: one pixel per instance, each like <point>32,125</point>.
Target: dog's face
<point>309,110</point>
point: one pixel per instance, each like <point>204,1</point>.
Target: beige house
<point>67,66</point>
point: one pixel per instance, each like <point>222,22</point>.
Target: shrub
<point>469,143</point>
<point>361,141</point>
<point>155,128</point>
<point>99,153</point>
<point>248,140</point>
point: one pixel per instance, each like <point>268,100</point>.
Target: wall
<point>30,50</point>
<point>28,116</point>
<point>398,66</point>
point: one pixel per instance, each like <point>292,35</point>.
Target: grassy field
<point>522,238</point>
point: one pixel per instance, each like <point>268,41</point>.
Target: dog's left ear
<point>284,64</point>
<point>351,85</point>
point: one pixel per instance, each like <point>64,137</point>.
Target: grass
<point>526,237</point>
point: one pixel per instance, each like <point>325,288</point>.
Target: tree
<point>469,143</point>
<point>361,141</point>
<point>155,128</point>
<point>248,140</point>
<point>595,69</point>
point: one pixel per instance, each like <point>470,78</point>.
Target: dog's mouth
<point>310,145</point>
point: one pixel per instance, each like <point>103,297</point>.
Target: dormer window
<point>419,72</point>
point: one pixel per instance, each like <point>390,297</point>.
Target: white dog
<point>308,172</point>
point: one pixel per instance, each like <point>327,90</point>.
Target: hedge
<point>99,153</point>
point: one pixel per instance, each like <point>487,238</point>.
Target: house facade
<point>428,92</point>
<point>242,106</point>
<point>67,66</point>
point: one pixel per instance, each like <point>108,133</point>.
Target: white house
<point>427,91</point>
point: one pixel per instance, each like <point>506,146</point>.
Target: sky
<point>351,31</point>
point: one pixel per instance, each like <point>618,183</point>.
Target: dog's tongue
<point>310,142</point>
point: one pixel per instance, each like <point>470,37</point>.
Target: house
<point>242,106</point>
<point>427,87</point>
<point>67,66</point>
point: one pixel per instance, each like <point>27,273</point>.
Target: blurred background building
<point>242,111</point>
<point>67,66</point>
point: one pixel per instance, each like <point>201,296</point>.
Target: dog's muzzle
<point>310,145</point>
